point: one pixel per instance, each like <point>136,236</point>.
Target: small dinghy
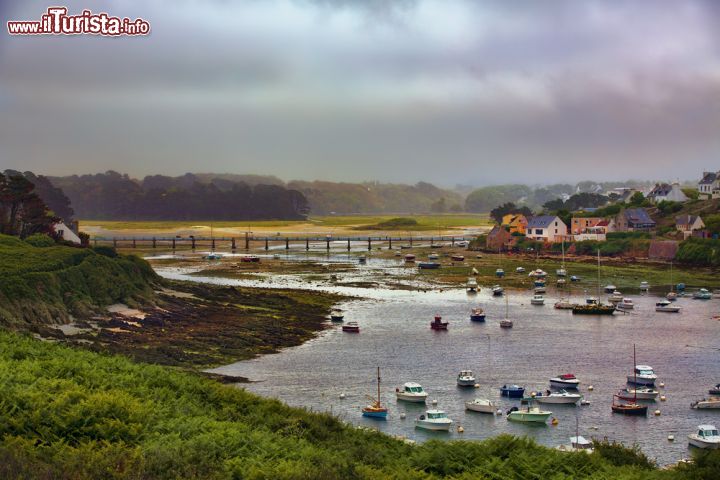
<point>336,316</point>
<point>477,315</point>
<point>466,378</point>
<point>512,391</point>
<point>438,324</point>
<point>497,290</point>
<point>537,299</point>
<point>351,327</point>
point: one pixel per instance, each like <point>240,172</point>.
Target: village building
<point>687,224</point>
<point>500,238</point>
<point>634,220</point>
<point>516,223</point>
<point>546,228</point>
<point>580,224</point>
<point>66,233</point>
<point>667,192</point>
<point>709,185</point>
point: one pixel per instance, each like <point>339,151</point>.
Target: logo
<point>56,21</point>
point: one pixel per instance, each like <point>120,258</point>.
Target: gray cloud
<point>445,91</point>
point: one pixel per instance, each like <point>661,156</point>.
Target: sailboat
<point>596,307</point>
<point>506,323</point>
<point>561,272</point>
<point>672,296</point>
<point>632,408</point>
<point>499,272</point>
<point>212,255</point>
<point>375,409</point>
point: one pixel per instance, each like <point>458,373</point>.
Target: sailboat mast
<point>378,370</point>
<point>598,280</point>
<point>634,376</point>
<point>671,281</point>
<point>506,306</point>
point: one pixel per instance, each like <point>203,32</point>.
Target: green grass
<point>425,222</point>
<point>73,414</point>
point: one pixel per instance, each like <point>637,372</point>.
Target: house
<point>580,224</point>
<point>66,233</point>
<point>709,185</point>
<point>687,224</point>
<point>516,223</point>
<point>500,238</point>
<point>597,232</point>
<point>634,220</point>
<point>662,250</point>
<point>546,228</point>
<point>667,192</point>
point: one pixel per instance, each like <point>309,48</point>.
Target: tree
<point>499,212</point>
<point>637,199</point>
<point>22,212</point>
<point>439,206</point>
<point>484,199</point>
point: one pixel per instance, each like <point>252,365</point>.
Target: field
<point>72,414</point>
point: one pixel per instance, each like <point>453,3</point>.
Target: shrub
<point>40,240</point>
<point>105,251</point>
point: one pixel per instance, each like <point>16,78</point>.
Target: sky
<point>445,91</point>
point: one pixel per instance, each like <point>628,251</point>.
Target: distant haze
<point>471,92</point>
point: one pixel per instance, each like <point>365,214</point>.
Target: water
<point>395,335</point>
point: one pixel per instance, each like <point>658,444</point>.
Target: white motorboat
<point>520,270</point>
<point>411,392</point>
<point>539,273</point>
<point>666,306</point>
<point>610,288</point>
<point>434,420</point>
<point>472,285</point>
<point>702,294</point>
<point>561,272</point>
<point>466,378</point>
<point>497,290</point>
<point>558,397</point>
<point>615,297</point>
<point>710,403</point>
<point>577,444</point>
<point>563,304</point>
<point>433,256</point>
<point>644,286</point>
<point>537,299</point>
<point>625,304</point>
<point>706,437</point>
<point>643,375</point>
<point>528,414</point>
<point>481,405</point>
<point>640,393</point>
<point>566,380</point>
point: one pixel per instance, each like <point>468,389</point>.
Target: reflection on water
<point>683,349</point>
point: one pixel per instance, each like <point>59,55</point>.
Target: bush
<point>699,251</point>
<point>106,251</point>
<point>40,240</point>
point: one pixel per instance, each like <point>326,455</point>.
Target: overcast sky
<point>472,92</point>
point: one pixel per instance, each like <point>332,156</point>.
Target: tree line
<point>22,210</point>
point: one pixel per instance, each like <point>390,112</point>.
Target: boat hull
<point>480,408</point>
<point>466,383</point>
<point>638,410</point>
<point>411,398</point>
<point>574,399</point>
<point>557,383</point>
<point>477,318</point>
<point>640,380</point>
<point>435,426</point>
<point>375,414</point>
<point>512,393</point>
<point>593,310</point>
<point>705,405</point>
<point>698,442</point>
<point>529,417</point>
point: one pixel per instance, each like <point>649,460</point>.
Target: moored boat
<point>561,272</point>
<point>610,288</point>
<point>505,323</point>
<point>577,444</point>
<point>561,397</point>
<point>566,380</point>
<point>715,390</point>
<point>481,405</point>
<point>213,256</point>
<point>410,258</point>
<point>512,391</point>
<point>497,290</point>
<point>707,437</point>
<point>672,296</point>
<point>642,375</point>
<point>428,265</point>
<point>528,414</point>
<point>477,315</point>
<point>640,393</point>
<point>666,306</point>
<point>702,294</point>
<point>466,378</point>
<point>575,278</point>
<point>563,304</point>
<point>336,316</point>
<point>537,299</point>
<point>540,290</point>
<point>434,420</point>
<point>625,304</point>
<point>438,324</point>
<point>351,327</point>
<point>632,407</point>
<point>472,285</point>
<point>411,392</point>
<point>644,286</point>
<point>538,273</point>
<point>710,403</point>
<point>520,270</point>
<point>376,409</point>
<point>615,297</point>
<point>433,256</point>
<point>457,258</point>
<point>499,273</point>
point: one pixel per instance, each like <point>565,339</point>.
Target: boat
<point>610,288</point>
<point>497,290</point>
<point>702,294</point>
<point>672,296</point>
<point>563,304</point>
<point>594,307</point>
<point>466,378</point>
<point>472,285</point>
<point>540,290</point>
<point>666,306</point>
<point>566,380</point>
<point>428,265</point>
<point>710,403</point>
<point>640,393</point>
<point>561,282</point>
<point>615,297</point>
<point>457,258</point>
<point>375,409</point>
<point>632,408</point>
<point>715,390</point>
<point>680,287</point>
<point>577,444</point>
<point>538,273</point>
<point>499,273</point>
<point>520,270</point>
<point>351,327</point>
<point>433,256</point>
<point>250,259</point>
<point>411,392</point>
<point>575,278</point>
<point>561,397</point>
<point>539,282</point>
<point>505,323</point>
<point>336,316</point>
<point>477,315</point>
<point>707,437</point>
<point>528,414</point>
<point>481,405</point>
<point>561,272</point>
<point>644,286</point>
<point>537,299</point>
<point>434,420</point>
<point>625,304</point>
<point>362,259</point>
<point>212,256</point>
<point>438,324</point>
<point>410,258</point>
<point>642,375</point>
<point>512,391</point>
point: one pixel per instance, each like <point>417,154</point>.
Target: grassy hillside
<point>72,414</point>
<point>48,285</point>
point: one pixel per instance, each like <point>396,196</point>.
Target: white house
<point>546,228</point>
<point>667,192</point>
<point>709,185</point>
<point>66,233</point>
<point>688,224</point>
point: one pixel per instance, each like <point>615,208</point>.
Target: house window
<point>538,231</point>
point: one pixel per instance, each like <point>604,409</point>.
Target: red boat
<point>250,258</point>
<point>351,327</point>
<point>631,408</point>
<point>438,324</point>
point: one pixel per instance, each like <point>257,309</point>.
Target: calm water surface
<point>395,335</point>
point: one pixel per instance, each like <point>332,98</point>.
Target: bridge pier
<point>410,241</point>
<point>287,243</point>
<point>348,246</point>
<point>267,245</point>
<point>154,242</point>
<point>134,243</point>
<point>431,241</point>
<point>327,244</point>
<point>247,241</point>
<point>192,241</point>
<point>173,243</point>
<point>390,242</point>
<point>369,244</point>
<point>307,244</point>
<point>212,244</point>
<point>232,244</point>
<point>452,241</point>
